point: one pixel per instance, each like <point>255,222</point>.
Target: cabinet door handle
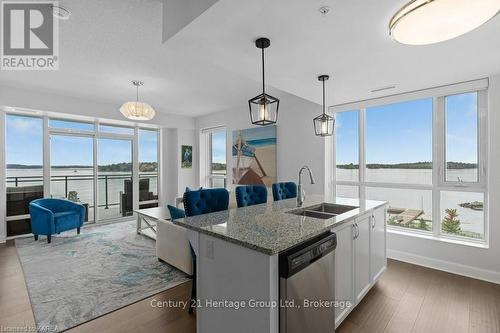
<point>354,231</point>
<point>373,221</point>
<point>357,230</point>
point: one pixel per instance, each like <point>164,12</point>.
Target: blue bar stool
<point>251,195</point>
<point>285,190</point>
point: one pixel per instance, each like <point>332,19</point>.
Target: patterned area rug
<point>78,278</point>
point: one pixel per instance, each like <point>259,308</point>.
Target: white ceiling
<point>212,64</point>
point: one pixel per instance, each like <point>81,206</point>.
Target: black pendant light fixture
<point>323,124</point>
<point>263,107</point>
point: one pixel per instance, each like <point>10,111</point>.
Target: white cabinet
<point>344,272</point>
<point>378,253</point>
<point>362,257</point>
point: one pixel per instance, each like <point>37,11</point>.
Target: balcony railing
<point>110,191</point>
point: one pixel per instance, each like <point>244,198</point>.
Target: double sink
<point>323,210</point>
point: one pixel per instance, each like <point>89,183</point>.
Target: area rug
<point>77,278</point>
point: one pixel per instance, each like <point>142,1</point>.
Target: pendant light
<point>137,110</point>
<point>263,107</point>
<point>323,124</point>
<point>422,22</point>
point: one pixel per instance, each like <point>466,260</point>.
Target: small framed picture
<point>186,157</point>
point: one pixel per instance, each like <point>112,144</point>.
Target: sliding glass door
<point>24,170</point>
<point>72,170</point>
<point>110,169</point>
<point>114,178</point>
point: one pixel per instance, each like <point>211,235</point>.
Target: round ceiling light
<point>423,22</point>
<point>60,12</point>
<point>137,110</point>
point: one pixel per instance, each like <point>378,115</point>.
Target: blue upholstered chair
<point>197,202</point>
<point>52,216</point>
<point>283,191</point>
<point>251,195</point>
<point>205,201</point>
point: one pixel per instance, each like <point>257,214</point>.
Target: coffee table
<point>147,219</point>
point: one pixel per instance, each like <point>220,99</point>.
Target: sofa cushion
<point>176,213</point>
<point>66,221</point>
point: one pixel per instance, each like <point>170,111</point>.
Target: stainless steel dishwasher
<point>307,286</point>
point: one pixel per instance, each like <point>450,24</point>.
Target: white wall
<point>174,177</point>
<point>40,101</point>
<point>466,260</point>
<point>296,143</point>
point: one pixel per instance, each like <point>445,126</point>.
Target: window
<point>461,116</point>
<point>61,158</point>
<point>399,143</point>
<point>347,191</point>
<point>462,213</point>
<point>72,170</point>
<point>407,208</point>
<point>114,177</point>
<point>116,129</point>
<point>347,140</point>
<point>71,125</point>
<point>24,159</point>
<point>148,168</point>
<point>424,156</point>
<point>214,164</point>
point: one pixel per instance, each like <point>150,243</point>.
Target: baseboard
<point>442,265</point>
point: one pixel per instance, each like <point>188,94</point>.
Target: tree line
<point>413,165</point>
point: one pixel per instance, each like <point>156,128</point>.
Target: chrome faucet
<point>301,195</point>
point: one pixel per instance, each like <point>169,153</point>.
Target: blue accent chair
<point>251,195</point>
<point>205,201</point>
<point>283,191</point>
<point>176,213</point>
<point>52,216</point>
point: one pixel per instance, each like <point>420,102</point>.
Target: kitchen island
<point>238,257</point>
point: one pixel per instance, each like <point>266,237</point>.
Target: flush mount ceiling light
<point>323,124</point>
<point>60,12</point>
<point>263,107</point>
<point>423,22</point>
<point>137,110</point>
<point>324,10</point>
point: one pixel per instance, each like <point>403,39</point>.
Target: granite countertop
<point>268,228</point>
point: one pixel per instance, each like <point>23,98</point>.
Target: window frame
<point>439,182</point>
<point>95,134</point>
<point>206,174</point>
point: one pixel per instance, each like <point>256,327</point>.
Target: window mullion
<point>438,152</point>
<point>46,158</point>
<point>362,155</point>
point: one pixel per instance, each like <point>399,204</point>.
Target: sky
<point>402,132</point>
<point>25,145</point>
<point>395,133</point>
<point>219,147</point>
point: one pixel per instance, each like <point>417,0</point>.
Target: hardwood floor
<point>408,298</point>
<point>411,298</point>
<point>15,307</point>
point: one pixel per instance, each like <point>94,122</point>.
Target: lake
<point>81,181</point>
<point>471,220</point>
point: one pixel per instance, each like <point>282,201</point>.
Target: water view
<point>412,208</point>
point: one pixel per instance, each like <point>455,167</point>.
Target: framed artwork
<point>186,157</point>
<point>254,156</point>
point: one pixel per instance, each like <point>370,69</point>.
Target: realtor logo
<point>29,36</point>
